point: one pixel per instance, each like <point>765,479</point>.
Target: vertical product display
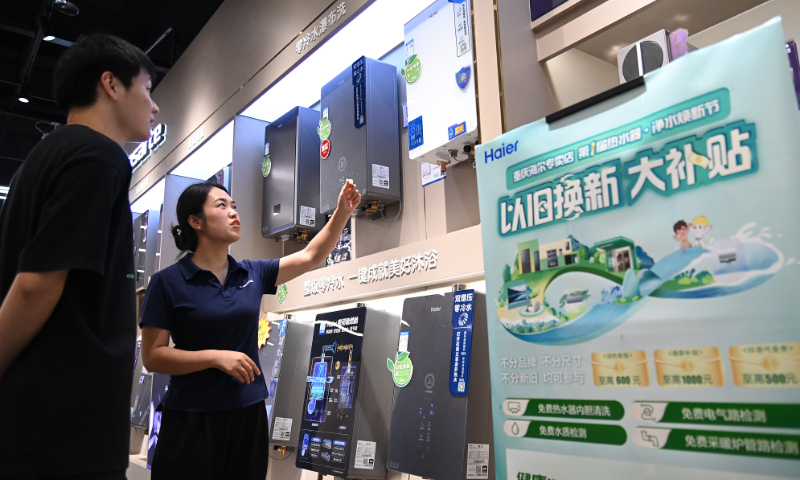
<point>642,277</point>
<point>159,389</point>
<point>140,412</point>
<point>145,232</point>
<point>360,136</point>
<point>223,177</point>
<point>283,359</point>
<point>291,170</point>
<point>440,84</point>
<point>429,423</point>
<point>348,395</point>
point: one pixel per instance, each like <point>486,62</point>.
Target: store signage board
<point>643,273</point>
<point>142,153</point>
<point>439,260</point>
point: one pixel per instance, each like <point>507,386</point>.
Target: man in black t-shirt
<point>67,320</point>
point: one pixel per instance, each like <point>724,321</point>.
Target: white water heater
<point>440,82</point>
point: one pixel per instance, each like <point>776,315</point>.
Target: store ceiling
<point>25,68</point>
<point>692,15</point>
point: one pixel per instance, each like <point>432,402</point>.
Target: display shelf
<point>588,67</point>
<point>613,24</point>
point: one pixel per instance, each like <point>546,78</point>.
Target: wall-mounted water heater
<point>290,208</point>
<point>359,136</point>
<point>440,83</point>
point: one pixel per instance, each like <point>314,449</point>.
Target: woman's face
<point>222,221</point>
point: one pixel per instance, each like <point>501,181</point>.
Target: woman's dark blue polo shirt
<point>201,314</point>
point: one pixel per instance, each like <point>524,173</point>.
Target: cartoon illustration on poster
<point>642,277</point>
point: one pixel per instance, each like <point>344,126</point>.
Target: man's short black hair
<point>79,68</point>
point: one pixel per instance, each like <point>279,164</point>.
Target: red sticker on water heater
<point>325,148</point>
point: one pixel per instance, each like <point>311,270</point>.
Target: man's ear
<point>109,85</point>
<point>195,223</point>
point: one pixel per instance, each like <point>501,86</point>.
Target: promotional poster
<point>642,277</point>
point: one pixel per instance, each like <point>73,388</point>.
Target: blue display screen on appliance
<point>331,391</point>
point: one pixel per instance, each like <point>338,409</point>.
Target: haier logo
<point>498,153</point>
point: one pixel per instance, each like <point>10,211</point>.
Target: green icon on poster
<point>413,69</point>
<point>283,291</point>
<point>324,129</point>
<point>266,166</point>
<point>402,369</point>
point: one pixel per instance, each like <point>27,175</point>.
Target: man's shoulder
<point>77,144</point>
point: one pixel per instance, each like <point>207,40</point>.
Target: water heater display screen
<point>326,434</point>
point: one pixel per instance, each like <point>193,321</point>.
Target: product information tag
<point>403,345</point>
<point>415,133</point>
<point>461,21</point>
<point>380,176</point>
<point>282,429</point>
<point>365,455</point>
<point>360,92</point>
<point>478,461</point>
<point>463,312</point>
<point>307,215</point>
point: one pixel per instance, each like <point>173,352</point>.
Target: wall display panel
<point>360,136</point>
<point>540,7</point>
<point>622,324</point>
<point>284,358</point>
<point>439,73</point>
<point>429,423</point>
<point>291,176</point>
<point>146,245</point>
<point>223,177</point>
<point>160,389</point>
<point>174,186</point>
<point>348,396</point>
<point>140,412</point>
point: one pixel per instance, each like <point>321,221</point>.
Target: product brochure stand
<point>429,423</point>
<point>348,400</point>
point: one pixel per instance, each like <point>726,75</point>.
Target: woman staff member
<point>214,423</point>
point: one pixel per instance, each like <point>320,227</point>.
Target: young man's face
<point>137,109</point>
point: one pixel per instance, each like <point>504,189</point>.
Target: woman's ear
<point>195,223</point>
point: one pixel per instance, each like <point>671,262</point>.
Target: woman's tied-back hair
<point>191,202</point>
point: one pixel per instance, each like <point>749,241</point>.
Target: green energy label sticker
<point>401,369</point>
<point>324,129</point>
<point>266,165</point>
<point>412,70</point>
<point>283,291</point>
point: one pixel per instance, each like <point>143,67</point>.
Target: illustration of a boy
<point>699,227</point>
<point>681,230</point>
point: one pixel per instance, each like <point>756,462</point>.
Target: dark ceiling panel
<point>140,22</point>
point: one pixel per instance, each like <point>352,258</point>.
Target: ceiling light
<point>49,38</point>
<point>67,8</point>
<point>23,100</point>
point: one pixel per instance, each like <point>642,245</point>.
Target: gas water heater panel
<point>359,134</point>
<point>348,394</point>
<point>428,422</point>
<point>283,361</point>
<point>291,175</point>
<point>440,82</point>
